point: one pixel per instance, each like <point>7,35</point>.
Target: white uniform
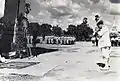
<point>104,41</point>
<point>104,44</point>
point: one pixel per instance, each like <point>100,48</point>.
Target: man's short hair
<point>97,16</point>
<point>85,18</point>
<point>100,22</point>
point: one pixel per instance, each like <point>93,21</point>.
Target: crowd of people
<point>53,40</point>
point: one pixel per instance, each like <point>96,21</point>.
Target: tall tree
<point>46,30</point>
<point>57,31</point>
<point>71,30</point>
<point>81,32</point>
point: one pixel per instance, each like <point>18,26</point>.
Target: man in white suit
<point>104,45</point>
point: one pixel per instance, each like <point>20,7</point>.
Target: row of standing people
<point>53,40</point>
<point>114,41</point>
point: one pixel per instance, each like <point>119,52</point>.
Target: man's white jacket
<point>104,40</point>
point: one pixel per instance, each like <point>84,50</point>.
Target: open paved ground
<point>71,63</point>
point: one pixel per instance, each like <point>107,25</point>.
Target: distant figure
<point>34,53</point>
<point>93,41</point>
<point>96,37</point>
<point>97,19</point>
<point>85,20</point>
<point>104,45</point>
<point>113,41</point>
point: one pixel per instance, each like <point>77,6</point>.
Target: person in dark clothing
<point>97,19</point>
<point>85,20</point>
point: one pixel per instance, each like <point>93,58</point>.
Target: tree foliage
<point>81,32</point>
<point>57,31</point>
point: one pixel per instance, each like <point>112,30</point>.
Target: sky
<point>65,12</point>
<point>2,2</point>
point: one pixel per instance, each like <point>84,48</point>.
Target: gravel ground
<point>18,77</point>
<point>74,63</point>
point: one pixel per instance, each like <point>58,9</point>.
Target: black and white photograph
<point>59,40</point>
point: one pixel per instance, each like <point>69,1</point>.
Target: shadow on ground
<point>34,52</point>
<point>17,65</point>
<point>19,77</point>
